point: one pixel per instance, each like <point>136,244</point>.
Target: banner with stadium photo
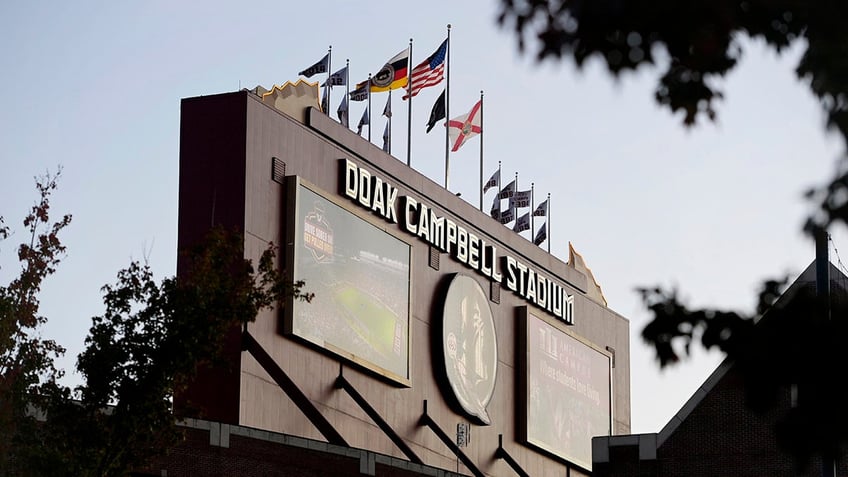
<point>568,391</point>
<point>360,275</point>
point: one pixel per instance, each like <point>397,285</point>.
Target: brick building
<point>732,424</point>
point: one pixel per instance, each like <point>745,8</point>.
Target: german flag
<point>393,75</point>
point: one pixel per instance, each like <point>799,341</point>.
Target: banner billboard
<point>568,391</point>
<point>360,275</point>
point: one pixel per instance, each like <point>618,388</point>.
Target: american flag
<point>429,72</point>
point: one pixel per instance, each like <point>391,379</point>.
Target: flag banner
<point>541,235</point>
<point>507,216</point>
<point>462,128</point>
<point>342,112</point>
<point>320,67</point>
<point>386,139</point>
<point>339,78</point>
<point>387,111</point>
<point>522,224</point>
<point>493,181</point>
<point>521,199</point>
<point>393,75</point>
<point>325,102</point>
<point>508,191</point>
<point>365,120</point>
<point>429,72</point>
<point>542,209</point>
<point>438,111</point>
<point>360,93</point>
<point>496,208</point>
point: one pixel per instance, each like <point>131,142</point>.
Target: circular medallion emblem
<point>384,77</point>
<point>470,346</point>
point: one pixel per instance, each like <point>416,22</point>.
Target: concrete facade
<point>227,150</point>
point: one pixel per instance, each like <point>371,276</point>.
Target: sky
<point>95,87</point>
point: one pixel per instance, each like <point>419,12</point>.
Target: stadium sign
<point>420,219</point>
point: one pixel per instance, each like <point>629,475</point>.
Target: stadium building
<point>438,342</point>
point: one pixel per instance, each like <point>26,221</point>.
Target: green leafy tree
<point>146,346</point>
<point>695,44</point>
<point>152,338</point>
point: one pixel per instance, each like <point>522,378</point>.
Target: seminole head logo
<point>470,346</point>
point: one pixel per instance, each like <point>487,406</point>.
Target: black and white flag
<point>342,112</point>
<point>522,224</point>
<point>541,235</point>
<point>493,181</point>
<point>521,199</point>
<point>365,120</point>
<point>320,67</point>
<point>339,78</point>
<point>541,209</point>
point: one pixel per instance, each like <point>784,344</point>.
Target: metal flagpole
<point>516,185</point>
<point>499,183</point>
<point>347,89</point>
<point>498,197</point>
<point>511,202</point>
<point>532,210</point>
<point>408,108</point>
<point>389,140</point>
<point>447,110</point>
<point>368,86</point>
<point>329,74</point>
<point>548,222</point>
<point>481,150</point>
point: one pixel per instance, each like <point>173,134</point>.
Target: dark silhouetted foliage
<point>695,44</point>
<point>27,374</point>
<point>146,346</point>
